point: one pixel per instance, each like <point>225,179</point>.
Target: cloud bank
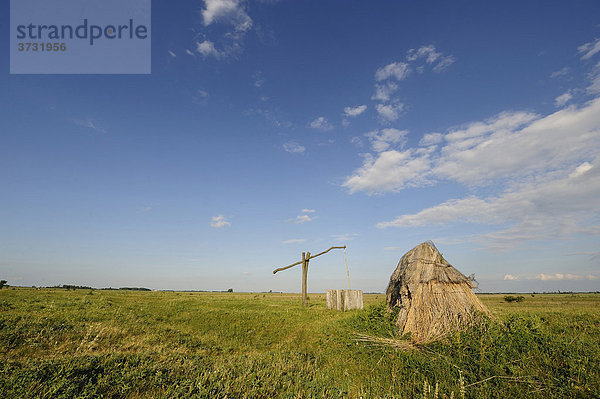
<point>541,174</point>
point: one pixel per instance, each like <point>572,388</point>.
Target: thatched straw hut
<point>434,298</point>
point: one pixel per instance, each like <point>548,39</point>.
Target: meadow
<point>59,343</point>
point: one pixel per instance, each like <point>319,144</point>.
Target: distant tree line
<point>73,287</point>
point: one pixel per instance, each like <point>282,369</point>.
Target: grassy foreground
<point>122,344</point>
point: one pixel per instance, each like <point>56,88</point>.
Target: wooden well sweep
<point>336,299</point>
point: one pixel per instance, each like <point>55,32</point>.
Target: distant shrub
<point>230,290</point>
<point>510,298</point>
<point>72,287</point>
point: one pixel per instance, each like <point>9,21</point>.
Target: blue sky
<point>268,128</point>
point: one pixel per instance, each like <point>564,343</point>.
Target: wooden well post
<point>306,257</point>
<point>304,278</point>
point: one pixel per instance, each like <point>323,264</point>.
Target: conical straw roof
<point>432,296</point>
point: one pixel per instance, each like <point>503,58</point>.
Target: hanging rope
<point>347,271</point>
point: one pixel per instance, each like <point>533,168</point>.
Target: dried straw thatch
<point>434,298</point>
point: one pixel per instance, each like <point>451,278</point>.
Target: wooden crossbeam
<point>305,258</point>
<point>309,258</point>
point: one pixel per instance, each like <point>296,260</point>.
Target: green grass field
<point>125,344</point>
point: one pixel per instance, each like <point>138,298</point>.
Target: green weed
<point>134,344</point>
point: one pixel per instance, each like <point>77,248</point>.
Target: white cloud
<point>306,215</point>
<point>383,92</point>
<point>556,207</point>
<point>271,115</point>
<point>207,48</point>
<point>258,79</point>
<point>477,154</point>
<point>468,209</point>
<point>398,70</point>
<point>551,277</point>
<point>503,122</point>
<point>390,171</point>
<point>431,139</point>
<point>594,78</point>
<point>303,219</point>
<point>188,52</point>
<point>386,86</point>
<point>427,52</point>
<point>200,97</point>
<point>321,123</point>
<point>562,72</point>
<point>145,209</point>
<point>444,63</point>
<point>341,238</point>
<point>294,148</point>
<point>541,175</point>
<point>382,140</point>
<point>389,112</point>
<point>558,277</point>
<point>431,56</point>
<point>388,76</point>
<point>228,11</point>
<point>232,14</point>
<point>589,49</point>
<point>581,169</point>
<point>172,54</point>
<point>563,99</point>
<point>219,222</point>
<point>90,124</point>
<point>391,248</point>
<point>357,141</point>
<point>354,111</point>
<point>294,241</point>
